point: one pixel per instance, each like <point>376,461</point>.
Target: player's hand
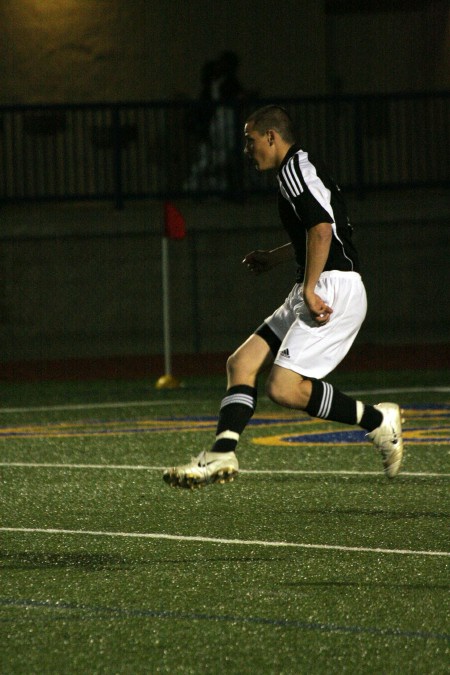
<point>258,261</point>
<point>318,308</point>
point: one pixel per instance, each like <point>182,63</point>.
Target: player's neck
<point>282,151</point>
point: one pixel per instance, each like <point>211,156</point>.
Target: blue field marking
<point>418,435</point>
<point>121,613</point>
<point>328,437</point>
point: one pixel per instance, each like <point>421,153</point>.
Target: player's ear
<point>270,136</point>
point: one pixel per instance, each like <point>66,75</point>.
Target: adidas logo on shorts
<point>285,354</point>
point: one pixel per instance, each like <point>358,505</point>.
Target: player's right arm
<point>260,261</point>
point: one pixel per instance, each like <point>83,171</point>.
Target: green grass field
<point>310,562</point>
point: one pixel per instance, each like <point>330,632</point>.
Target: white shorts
<point>312,350</point>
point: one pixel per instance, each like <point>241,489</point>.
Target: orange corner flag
<point>174,223</point>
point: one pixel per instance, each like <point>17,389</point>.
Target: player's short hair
<point>273,117</point>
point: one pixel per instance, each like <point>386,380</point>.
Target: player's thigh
<point>253,356</point>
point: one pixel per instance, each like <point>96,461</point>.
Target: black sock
<point>371,418</point>
<point>329,403</point>
<point>236,411</point>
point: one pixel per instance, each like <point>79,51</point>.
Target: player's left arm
<point>317,250</point>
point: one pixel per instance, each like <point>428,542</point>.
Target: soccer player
<point>312,331</point>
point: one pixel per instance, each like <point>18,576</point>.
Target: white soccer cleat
<point>208,467</point>
<point>387,438</point>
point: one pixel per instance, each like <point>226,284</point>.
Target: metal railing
<point>123,151</point>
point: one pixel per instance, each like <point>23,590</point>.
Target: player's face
<point>258,148</point>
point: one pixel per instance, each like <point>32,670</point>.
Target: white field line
<point>143,467</point>
<point>144,404</point>
<point>93,406</point>
<point>218,540</point>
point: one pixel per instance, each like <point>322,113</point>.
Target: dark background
<point>83,280</point>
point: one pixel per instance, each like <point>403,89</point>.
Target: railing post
<point>195,304</point>
<point>117,158</point>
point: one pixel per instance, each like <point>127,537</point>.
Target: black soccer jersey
<point>308,196</point>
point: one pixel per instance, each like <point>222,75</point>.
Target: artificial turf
<point>310,562</point>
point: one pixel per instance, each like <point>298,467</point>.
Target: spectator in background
<point>221,91</point>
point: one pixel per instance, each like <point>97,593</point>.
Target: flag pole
<point>166,305</point>
<point>167,381</point>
